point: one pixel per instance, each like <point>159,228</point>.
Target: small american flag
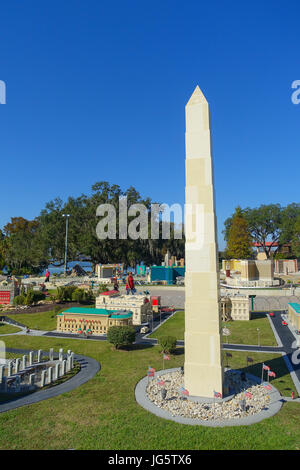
<point>248,395</point>
<point>268,387</point>
<point>265,367</point>
<point>228,354</point>
<point>150,373</point>
<point>217,394</point>
<point>271,374</point>
<point>151,369</point>
<point>160,382</point>
<point>184,391</point>
<point>166,357</point>
<point>249,359</point>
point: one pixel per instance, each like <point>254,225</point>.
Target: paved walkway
<point>89,368</point>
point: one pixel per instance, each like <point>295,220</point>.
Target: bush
<point>33,297</point>
<point>19,300</point>
<point>121,336</point>
<point>64,293</point>
<point>103,288</point>
<point>168,343</point>
<point>82,296</point>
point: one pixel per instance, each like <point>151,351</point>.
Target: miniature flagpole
<point>262,373</point>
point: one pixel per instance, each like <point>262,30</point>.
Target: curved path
<point>89,368</point>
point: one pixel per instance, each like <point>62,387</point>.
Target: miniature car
<point>145,329</point>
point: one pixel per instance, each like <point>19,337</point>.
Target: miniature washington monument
<point>203,372</point>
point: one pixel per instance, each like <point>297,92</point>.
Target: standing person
<point>130,284</point>
<point>47,276</point>
<point>116,285</point>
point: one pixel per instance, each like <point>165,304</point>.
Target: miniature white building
<point>139,305</point>
<point>236,307</point>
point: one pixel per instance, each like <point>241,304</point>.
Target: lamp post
<point>66,242</point>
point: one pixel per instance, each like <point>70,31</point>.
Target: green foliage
<point>82,296</point>
<point>167,343</point>
<point>19,300</point>
<point>271,223</point>
<point>239,239</point>
<point>121,336</point>
<point>64,293</point>
<point>33,297</point>
<point>102,288</point>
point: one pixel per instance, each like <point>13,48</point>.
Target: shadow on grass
<point>258,315</point>
<point>276,365</point>
<point>136,347</point>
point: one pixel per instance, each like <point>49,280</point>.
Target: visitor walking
<point>47,276</point>
<point>130,285</point>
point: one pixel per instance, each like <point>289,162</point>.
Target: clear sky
<point>96,91</point>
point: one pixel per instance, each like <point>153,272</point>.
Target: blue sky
<point>96,91</point>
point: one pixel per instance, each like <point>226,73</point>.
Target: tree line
<point>271,226</point>
<point>28,246</point>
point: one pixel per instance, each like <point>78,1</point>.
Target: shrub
<point>19,300</point>
<point>64,293</point>
<point>121,336</point>
<point>82,296</point>
<point>167,343</point>
<point>102,288</point>
<point>33,297</point>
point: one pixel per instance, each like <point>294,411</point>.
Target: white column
<point>203,372</point>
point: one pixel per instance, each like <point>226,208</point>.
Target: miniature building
<point>106,271</point>
<point>139,305</point>
<point>8,290</point>
<point>156,303</point>
<point>91,320</point>
<point>285,266</point>
<point>167,275</point>
<point>235,307</point>
<point>294,314</point>
<point>249,273</point>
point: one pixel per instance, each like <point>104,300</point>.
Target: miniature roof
<point>295,306</point>
<point>98,311</point>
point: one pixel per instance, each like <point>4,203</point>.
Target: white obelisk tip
<point>197,97</point>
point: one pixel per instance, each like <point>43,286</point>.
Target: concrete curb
<point>143,400</point>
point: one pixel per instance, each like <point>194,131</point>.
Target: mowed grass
<point>103,413</point>
<point>7,329</point>
<point>36,321</point>
<point>241,332</point>
<point>174,326</point>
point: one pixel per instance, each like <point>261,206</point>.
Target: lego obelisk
<point>203,373</point>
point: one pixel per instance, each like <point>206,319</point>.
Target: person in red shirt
<point>130,284</point>
<point>47,276</point>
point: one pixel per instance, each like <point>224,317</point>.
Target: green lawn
<point>242,332</point>
<point>6,329</point>
<point>36,321</point>
<point>103,413</point>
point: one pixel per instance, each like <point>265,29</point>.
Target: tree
<point>121,336</point>
<point>239,239</point>
<point>296,238</point>
<point>22,252</point>
<point>167,343</point>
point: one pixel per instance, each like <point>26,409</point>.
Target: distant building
<point>260,252</point>
<point>294,314</point>
<point>94,321</point>
<point>249,273</point>
<point>139,305</point>
<point>235,307</point>
<point>8,290</point>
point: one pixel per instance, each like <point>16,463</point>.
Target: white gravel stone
<point>178,405</point>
